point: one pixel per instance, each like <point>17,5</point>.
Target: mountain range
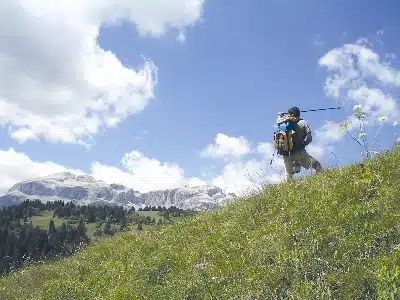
<point>84,190</point>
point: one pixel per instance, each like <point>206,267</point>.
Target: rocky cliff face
<point>87,190</point>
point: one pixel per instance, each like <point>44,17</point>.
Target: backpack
<point>284,141</point>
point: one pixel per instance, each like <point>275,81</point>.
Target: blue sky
<point>238,65</point>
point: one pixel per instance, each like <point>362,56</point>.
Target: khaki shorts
<point>300,158</point>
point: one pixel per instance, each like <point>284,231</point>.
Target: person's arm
<point>307,133</point>
<point>308,139</point>
<point>281,119</point>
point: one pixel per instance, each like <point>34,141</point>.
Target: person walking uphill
<point>298,136</point>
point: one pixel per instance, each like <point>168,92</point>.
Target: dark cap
<point>294,111</point>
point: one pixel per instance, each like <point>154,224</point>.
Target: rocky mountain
<point>83,189</point>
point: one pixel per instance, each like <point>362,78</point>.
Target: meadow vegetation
<point>334,235</point>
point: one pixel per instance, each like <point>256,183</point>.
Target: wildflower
<point>202,266</point>
<point>357,107</point>
<point>395,123</point>
<point>345,125</point>
<point>361,116</point>
<point>362,134</point>
<point>382,119</point>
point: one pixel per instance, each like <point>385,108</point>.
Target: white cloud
<point>247,176</point>
<point>194,181</point>
<point>16,167</point>
<point>57,83</point>
<point>226,147</point>
<point>358,74</point>
<point>324,139</point>
<point>329,133</point>
<point>181,37</point>
<point>375,102</point>
<point>139,172</point>
<point>242,175</point>
<point>265,149</point>
<point>317,150</point>
<point>143,173</point>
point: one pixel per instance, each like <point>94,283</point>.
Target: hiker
<point>297,157</point>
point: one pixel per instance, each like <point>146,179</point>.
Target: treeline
<point>131,218</point>
<point>170,211</point>
<point>22,242</point>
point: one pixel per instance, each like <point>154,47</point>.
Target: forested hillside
<point>33,231</point>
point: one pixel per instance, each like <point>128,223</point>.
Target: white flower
<point>395,123</point>
<point>202,266</point>
<point>357,107</point>
<point>360,115</point>
<point>345,126</point>
<point>382,119</point>
<point>362,134</point>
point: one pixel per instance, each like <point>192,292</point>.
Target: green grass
<point>151,214</point>
<point>90,229</point>
<point>330,236</point>
<point>44,219</point>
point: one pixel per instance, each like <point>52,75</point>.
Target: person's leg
<point>288,167</point>
<point>307,161</point>
<point>316,165</point>
<point>296,166</point>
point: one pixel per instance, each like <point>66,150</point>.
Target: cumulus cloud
<point>58,84</point>
<point>359,75</point>
<point>141,173</point>
<point>144,174</point>
<point>246,169</point>
<point>324,139</point>
<point>16,167</point>
<point>227,147</point>
<point>194,181</point>
<point>329,133</point>
<point>138,172</point>
<point>246,176</point>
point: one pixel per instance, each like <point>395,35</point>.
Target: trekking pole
<point>318,109</point>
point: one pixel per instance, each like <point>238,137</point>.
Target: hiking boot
<point>316,166</point>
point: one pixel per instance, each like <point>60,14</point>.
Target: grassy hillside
<point>331,236</point>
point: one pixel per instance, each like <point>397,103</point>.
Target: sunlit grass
<point>334,235</point>
<point>44,218</point>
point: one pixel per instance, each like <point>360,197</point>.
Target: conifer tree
<point>107,227</point>
<point>52,227</point>
<point>52,237</point>
<point>81,231</point>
